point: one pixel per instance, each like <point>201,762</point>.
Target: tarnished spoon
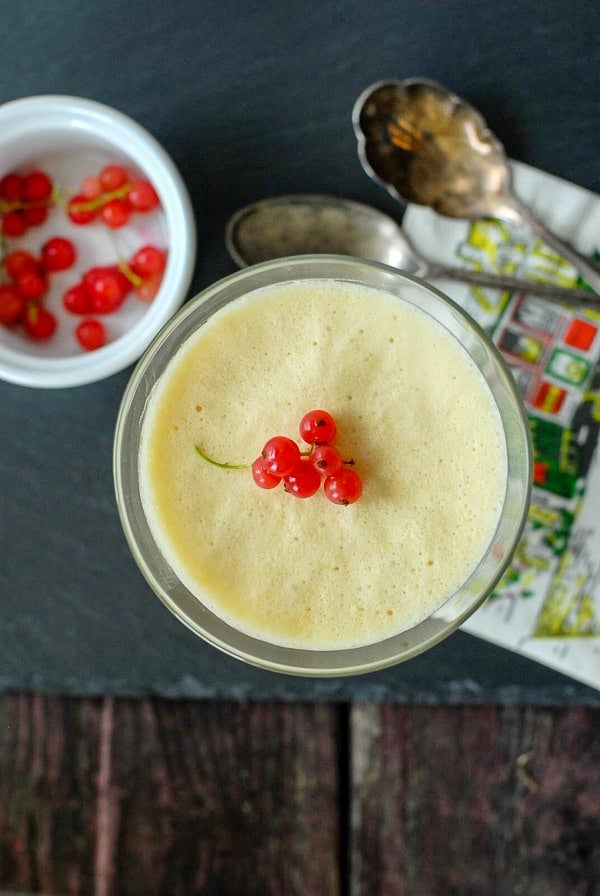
<point>428,146</point>
<point>310,224</point>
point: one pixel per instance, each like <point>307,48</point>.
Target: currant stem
<point>135,280</point>
<point>217,463</point>
<point>98,201</point>
<point>20,205</point>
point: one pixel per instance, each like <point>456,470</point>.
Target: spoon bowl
<point>306,224</point>
<point>428,146</point>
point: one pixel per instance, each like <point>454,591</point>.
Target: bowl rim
<point>282,659</point>
<point>21,118</point>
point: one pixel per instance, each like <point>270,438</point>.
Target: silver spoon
<point>307,224</point>
<point>428,146</point>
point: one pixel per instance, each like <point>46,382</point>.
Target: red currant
<point>280,455</point>
<point>91,187</point>
<point>107,287</point>
<point>303,481</point>
<point>91,334</point>
<point>318,428</point>
<point>35,215</point>
<point>77,299</point>
<point>77,210</point>
<point>12,305</point>
<point>147,291</point>
<point>326,459</point>
<point>18,261</point>
<point>31,285</point>
<point>13,224</point>
<point>142,196</point>
<point>112,177</point>
<point>261,476</point>
<point>58,254</point>
<point>39,323</point>
<point>343,487</point>
<point>116,213</point>
<point>37,187</point>
<point>11,187</point>
<point>148,260</point>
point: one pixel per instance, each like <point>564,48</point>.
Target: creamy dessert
<point>413,412</point>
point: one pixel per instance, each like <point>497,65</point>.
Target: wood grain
<point>117,797</point>
<point>475,801</point>
<point>150,797</point>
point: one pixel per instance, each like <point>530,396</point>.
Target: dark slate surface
<point>250,99</point>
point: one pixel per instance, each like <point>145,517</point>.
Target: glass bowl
<point>189,608</point>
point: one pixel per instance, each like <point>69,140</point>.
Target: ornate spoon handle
<point>588,269</point>
<point>515,284</point>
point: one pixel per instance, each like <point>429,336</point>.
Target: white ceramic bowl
<point>72,138</point>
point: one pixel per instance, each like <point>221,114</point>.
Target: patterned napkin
<point>547,605</point>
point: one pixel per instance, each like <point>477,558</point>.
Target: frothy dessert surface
<point>413,412</point>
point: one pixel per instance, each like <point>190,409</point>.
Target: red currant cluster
<point>112,196</point>
<point>102,290</point>
<point>21,298</point>
<point>281,460</point>
<point>24,201</point>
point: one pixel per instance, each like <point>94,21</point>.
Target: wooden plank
<point>48,769</point>
<point>467,801</point>
<point>109,797</point>
<point>106,797</point>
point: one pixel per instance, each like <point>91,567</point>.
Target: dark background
<point>250,99</point>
